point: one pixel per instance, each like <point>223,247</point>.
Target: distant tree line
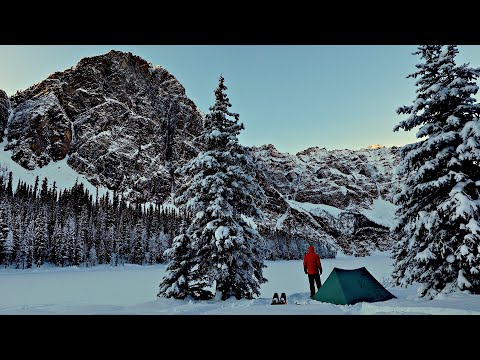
<point>40,224</point>
<point>284,244</point>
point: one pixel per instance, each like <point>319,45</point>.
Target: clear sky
<point>292,96</point>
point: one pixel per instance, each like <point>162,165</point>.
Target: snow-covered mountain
<point>125,125</point>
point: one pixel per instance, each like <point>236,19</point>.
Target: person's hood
<point>311,249</point>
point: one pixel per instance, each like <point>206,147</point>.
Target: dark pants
<point>316,278</point>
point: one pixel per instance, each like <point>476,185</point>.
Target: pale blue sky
<point>291,96</point>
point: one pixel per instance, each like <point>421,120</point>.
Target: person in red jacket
<point>312,267</point>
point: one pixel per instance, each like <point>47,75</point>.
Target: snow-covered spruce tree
<point>152,250</point>
<point>28,243</point>
<point>4,229</point>
<point>138,246</point>
<point>92,256</point>
<point>438,232</point>
<point>102,253</point>
<point>222,191</point>
<point>68,241</point>
<point>41,239</point>
<point>57,245</point>
<point>8,249</point>
<point>176,283</point>
<point>8,189</point>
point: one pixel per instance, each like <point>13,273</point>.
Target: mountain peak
<point>116,56</point>
<point>375,146</point>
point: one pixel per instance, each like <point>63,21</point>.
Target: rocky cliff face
<point>326,196</point>
<point>127,125</point>
<point>346,179</point>
<point>116,118</point>
<point>4,112</point>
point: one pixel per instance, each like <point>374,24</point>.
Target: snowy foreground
<point>132,289</point>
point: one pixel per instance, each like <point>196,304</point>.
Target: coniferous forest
<point>73,227</point>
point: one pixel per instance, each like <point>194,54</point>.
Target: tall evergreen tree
<point>3,172</point>
<point>153,249</point>
<point>68,239</point>
<point>8,249</point>
<point>53,193</point>
<point>4,229</point>
<point>78,255</point>
<point>92,256</point>
<point>438,232</point>
<point>82,238</point>
<point>28,244</point>
<point>112,247</point>
<point>138,246</point>
<point>9,189</point>
<point>102,253</point>
<point>56,251</point>
<point>18,255</point>
<point>40,250</point>
<point>226,250</point>
<point>123,238</point>
<point>44,190</point>
<point>35,188</point>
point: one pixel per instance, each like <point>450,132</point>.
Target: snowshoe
<point>275,300</point>
<point>283,299</point>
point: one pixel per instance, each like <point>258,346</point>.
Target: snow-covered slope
<point>381,212</point>
<point>59,171</point>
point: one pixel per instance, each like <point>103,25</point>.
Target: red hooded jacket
<point>311,262</point>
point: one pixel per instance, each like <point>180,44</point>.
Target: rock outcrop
<point>4,112</point>
<point>115,116</point>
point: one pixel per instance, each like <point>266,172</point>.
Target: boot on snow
<point>275,300</point>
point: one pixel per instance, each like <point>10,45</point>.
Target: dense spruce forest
<point>73,227</point>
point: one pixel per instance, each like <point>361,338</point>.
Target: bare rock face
<point>346,180</point>
<point>4,112</point>
<point>341,178</point>
<point>120,121</point>
<point>39,132</point>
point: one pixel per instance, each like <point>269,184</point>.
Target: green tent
<point>344,287</point>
